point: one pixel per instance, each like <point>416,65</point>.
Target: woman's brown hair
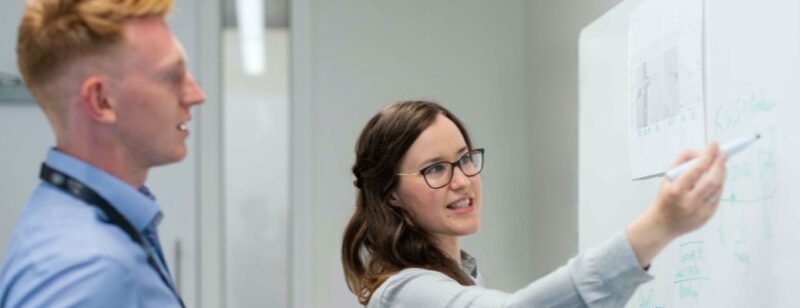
<point>381,240</point>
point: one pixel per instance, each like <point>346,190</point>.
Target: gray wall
<point>553,119</point>
<point>510,71</point>
<point>469,55</point>
<point>256,149</point>
<point>24,133</point>
<point>19,172</point>
<point>11,13</point>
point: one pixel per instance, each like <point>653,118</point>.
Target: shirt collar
<point>469,265</point>
<point>138,206</point>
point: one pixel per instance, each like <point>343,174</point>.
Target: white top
<point>603,277</point>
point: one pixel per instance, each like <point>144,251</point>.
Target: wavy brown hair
<point>381,240</point>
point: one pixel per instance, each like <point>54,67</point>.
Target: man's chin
<point>174,157</point>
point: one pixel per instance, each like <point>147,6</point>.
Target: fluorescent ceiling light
<point>250,15</point>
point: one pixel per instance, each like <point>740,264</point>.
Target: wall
<point>553,118</point>
<point>511,76</point>
<point>469,55</point>
<point>17,121</point>
<point>256,150</point>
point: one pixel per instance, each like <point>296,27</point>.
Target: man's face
<point>152,93</point>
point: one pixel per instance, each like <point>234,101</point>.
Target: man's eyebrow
<point>173,66</point>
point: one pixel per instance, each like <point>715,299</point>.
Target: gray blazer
<point>603,277</point>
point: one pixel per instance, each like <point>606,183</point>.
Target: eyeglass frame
<point>454,164</point>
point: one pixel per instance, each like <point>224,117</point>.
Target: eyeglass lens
<point>440,174</point>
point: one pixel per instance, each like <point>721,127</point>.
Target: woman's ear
<point>394,200</point>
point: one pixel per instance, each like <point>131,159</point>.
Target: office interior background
<point>254,214</point>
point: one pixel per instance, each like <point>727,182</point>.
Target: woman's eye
<point>466,159</point>
<point>434,170</point>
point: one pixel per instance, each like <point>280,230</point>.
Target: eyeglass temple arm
<point>410,173</point>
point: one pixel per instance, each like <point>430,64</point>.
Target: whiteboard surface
<point>746,256</point>
<point>665,57</point>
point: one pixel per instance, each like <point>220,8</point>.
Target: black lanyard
<point>78,190</point>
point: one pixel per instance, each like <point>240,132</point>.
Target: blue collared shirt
<point>65,253</point>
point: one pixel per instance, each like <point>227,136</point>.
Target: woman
<point>419,190</point>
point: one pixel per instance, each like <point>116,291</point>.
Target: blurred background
<point>254,214</point>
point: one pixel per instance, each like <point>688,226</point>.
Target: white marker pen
<point>729,149</point>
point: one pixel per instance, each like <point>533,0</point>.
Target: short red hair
<point>54,33</point>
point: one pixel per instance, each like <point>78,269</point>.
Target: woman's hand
<point>682,205</point>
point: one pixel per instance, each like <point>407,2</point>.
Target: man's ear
<point>96,100</point>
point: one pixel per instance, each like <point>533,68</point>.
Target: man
<point>112,80</point>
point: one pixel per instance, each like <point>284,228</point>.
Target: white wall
<point>471,56</point>
<point>256,164</point>
<point>553,119</point>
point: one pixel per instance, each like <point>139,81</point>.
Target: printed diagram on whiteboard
<point>668,87</point>
<point>665,60</point>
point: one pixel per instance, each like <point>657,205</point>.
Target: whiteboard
<point>748,254</point>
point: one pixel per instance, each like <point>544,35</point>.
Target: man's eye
<point>174,77</point>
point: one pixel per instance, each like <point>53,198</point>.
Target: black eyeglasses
<point>440,174</point>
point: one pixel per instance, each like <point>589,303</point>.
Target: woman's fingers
<point>683,157</point>
<point>709,186</point>
<point>689,178</point>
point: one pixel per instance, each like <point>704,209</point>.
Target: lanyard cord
<point>78,190</point>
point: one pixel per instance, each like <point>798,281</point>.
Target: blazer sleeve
<point>606,276</point>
